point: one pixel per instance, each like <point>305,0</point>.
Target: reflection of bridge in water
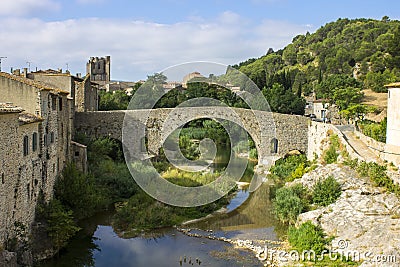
<point>274,134</point>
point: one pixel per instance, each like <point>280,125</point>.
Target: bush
<point>374,130</point>
<point>61,224</point>
<point>307,237</point>
<point>331,155</point>
<point>377,174</point>
<point>77,191</point>
<point>290,202</point>
<point>284,168</point>
<point>326,192</point>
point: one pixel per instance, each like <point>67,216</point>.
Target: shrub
<point>285,167</point>
<point>377,174</point>
<point>77,191</point>
<point>326,192</point>
<point>307,237</point>
<point>290,202</point>
<point>330,155</point>
<point>61,225</point>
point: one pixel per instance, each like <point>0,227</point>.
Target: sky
<point>144,37</point>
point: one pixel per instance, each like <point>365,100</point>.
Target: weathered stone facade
<point>36,144</point>
<point>99,69</point>
<point>290,131</point>
<point>83,91</point>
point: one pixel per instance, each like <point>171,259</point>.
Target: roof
<point>9,108</point>
<point>393,85</point>
<point>26,118</point>
<point>38,85</point>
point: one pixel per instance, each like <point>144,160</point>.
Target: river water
<point>249,217</point>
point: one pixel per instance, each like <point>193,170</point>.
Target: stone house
<point>36,145</point>
<point>82,90</point>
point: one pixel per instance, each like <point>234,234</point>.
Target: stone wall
<point>318,140</point>
<point>290,130</point>
<point>21,177</point>
<point>388,152</point>
<point>25,174</point>
<point>86,96</point>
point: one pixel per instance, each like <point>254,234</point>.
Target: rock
<point>364,218</point>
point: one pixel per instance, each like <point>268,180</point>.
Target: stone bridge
<point>290,131</point>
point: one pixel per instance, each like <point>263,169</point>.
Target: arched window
<point>274,145</point>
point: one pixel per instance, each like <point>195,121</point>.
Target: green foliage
<point>377,80</point>
<point>326,192</point>
<point>331,155</point>
<point>189,149</point>
<point>289,167</point>
<point>77,191</point>
<point>327,59</point>
<point>337,82</point>
<point>142,212</point>
<point>283,100</point>
<point>117,100</point>
<point>307,237</point>
<point>289,202</point>
<point>374,130</point>
<point>377,174</point>
<point>61,224</point>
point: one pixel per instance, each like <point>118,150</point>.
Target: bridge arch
<point>290,131</point>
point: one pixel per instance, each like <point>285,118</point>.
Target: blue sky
<point>144,37</point>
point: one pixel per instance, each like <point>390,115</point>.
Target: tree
<point>345,96</point>
<point>393,49</point>
<point>284,101</point>
<point>61,223</point>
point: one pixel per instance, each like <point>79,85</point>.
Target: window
<point>34,142</point>
<point>52,137</point>
<point>60,102</point>
<point>76,153</point>
<point>2,178</point>
<point>26,145</point>
<point>274,145</point>
<point>54,102</point>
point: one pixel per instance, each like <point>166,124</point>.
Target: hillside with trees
<point>336,63</point>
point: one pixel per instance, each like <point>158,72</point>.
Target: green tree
<point>284,101</point>
<point>61,224</point>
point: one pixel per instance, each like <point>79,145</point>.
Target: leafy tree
<point>284,101</point>
<point>61,224</point>
<point>344,97</point>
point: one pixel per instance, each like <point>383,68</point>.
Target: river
<point>249,217</point>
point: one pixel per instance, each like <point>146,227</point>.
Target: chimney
<point>79,75</point>
<point>25,72</point>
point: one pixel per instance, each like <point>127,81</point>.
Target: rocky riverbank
<point>364,221</point>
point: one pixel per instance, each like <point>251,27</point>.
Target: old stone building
<point>82,90</point>
<point>35,141</point>
<point>99,69</point>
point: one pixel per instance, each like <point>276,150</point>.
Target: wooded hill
<point>336,62</point>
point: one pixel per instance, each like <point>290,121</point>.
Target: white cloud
<point>27,7</point>
<point>138,48</point>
